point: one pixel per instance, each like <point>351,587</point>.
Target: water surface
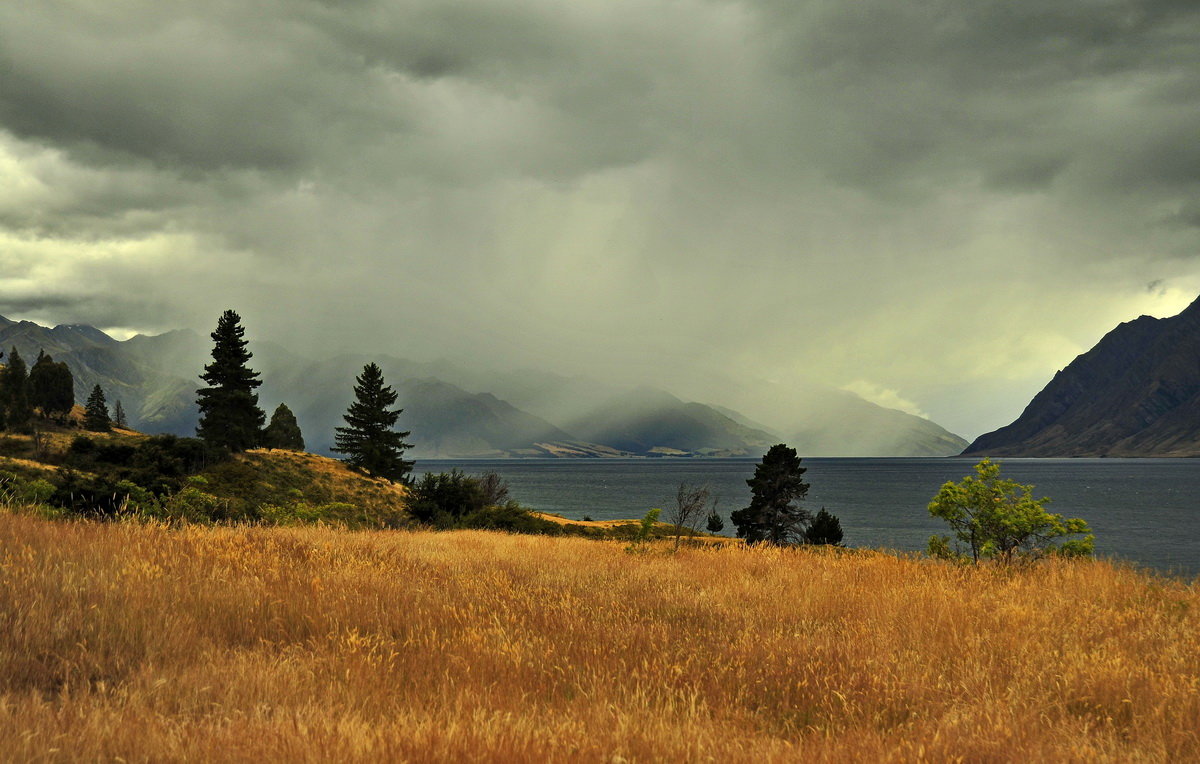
<point>1142,510</point>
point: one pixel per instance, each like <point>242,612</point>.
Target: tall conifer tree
<point>95,413</point>
<point>368,441</point>
<point>229,412</point>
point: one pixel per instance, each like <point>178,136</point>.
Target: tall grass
<point>147,643</point>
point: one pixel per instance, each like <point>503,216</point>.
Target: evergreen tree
<point>119,418</point>
<point>368,441</point>
<point>825,528</point>
<point>14,393</point>
<point>229,412</point>
<point>283,431</point>
<point>774,514</point>
<point>51,388</point>
<point>715,524</point>
<point>95,413</point>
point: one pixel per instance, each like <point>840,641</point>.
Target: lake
<point>1142,510</point>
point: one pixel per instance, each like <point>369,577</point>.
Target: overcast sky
<point>936,204</point>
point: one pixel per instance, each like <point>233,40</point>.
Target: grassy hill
<point>143,642</point>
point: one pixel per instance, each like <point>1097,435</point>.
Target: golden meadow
<point>142,642</point>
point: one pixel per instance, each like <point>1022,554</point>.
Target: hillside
<point>127,473</point>
<point>130,642</point>
<point>1136,393</point>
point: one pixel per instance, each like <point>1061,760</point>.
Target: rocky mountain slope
<point>1136,393</point>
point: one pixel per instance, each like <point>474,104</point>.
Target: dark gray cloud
<point>937,203</point>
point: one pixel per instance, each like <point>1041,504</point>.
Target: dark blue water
<point>1143,510</point>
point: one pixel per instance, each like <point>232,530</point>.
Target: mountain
<point>839,423</point>
<point>1136,393</point>
<point>456,412</point>
<point>651,421</point>
<point>148,396</point>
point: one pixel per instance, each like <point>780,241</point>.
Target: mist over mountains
<point>454,411</point>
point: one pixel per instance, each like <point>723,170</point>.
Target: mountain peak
<point>1136,393</point>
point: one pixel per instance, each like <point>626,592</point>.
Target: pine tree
<point>119,418</point>
<point>95,413</point>
<point>229,412</point>
<point>368,441</point>
<point>51,388</point>
<point>774,514</point>
<point>14,393</point>
<point>283,431</point>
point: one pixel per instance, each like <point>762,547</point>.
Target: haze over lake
<point>1141,510</point>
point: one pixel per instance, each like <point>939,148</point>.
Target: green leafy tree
<point>283,431</point>
<point>776,490</point>
<point>14,393</point>
<point>95,412</point>
<point>998,518</point>
<point>51,388</point>
<point>825,528</point>
<point>229,412</point>
<point>368,440</point>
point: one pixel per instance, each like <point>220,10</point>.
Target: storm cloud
<point>933,204</point>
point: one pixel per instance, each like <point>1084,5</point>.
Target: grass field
<point>141,642</point>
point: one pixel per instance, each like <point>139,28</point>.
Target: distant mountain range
<point>456,412</point>
<point>1136,393</point>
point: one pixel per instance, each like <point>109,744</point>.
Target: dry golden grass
<point>147,643</point>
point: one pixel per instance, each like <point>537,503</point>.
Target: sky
<point>933,204</point>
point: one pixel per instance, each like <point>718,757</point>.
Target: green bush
<point>442,499</point>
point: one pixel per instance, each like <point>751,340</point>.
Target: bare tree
<point>691,503</point>
<point>494,488</point>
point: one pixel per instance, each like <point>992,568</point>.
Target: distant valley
<point>461,413</point>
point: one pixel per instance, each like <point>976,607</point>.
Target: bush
<point>443,498</point>
<point>88,495</point>
<point>511,517</point>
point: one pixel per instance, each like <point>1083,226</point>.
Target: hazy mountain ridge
<point>1136,393</point>
<point>644,419</point>
<point>457,412</point>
